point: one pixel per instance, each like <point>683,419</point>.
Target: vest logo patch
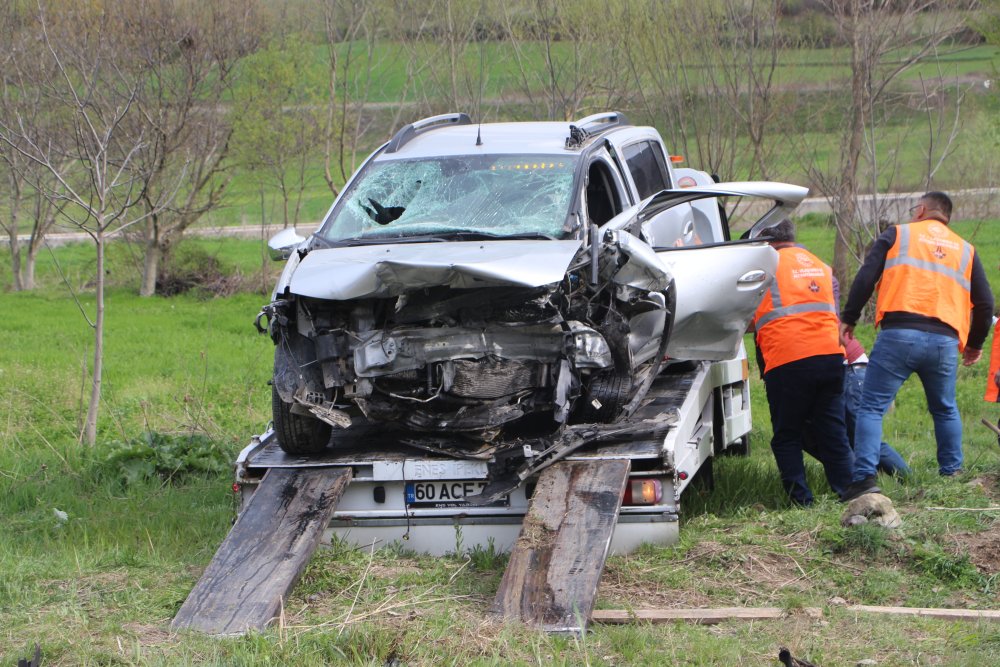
<point>939,252</point>
<point>813,287</point>
<point>936,230</point>
<point>804,259</point>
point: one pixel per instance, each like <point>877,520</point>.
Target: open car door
<point>718,285</point>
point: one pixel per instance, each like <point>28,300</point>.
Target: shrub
<point>162,456</point>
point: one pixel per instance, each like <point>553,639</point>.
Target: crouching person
<point>797,331</point>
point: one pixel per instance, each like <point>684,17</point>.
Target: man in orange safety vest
<point>934,302</point>
<point>796,327</point>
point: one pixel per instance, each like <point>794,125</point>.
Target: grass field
<point>186,387</point>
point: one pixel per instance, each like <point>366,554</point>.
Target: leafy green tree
<point>277,133</point>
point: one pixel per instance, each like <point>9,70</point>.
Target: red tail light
<point>640,491</point>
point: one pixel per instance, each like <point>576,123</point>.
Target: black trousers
<point>806,398</point>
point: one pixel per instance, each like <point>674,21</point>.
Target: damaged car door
<point>718,285</point>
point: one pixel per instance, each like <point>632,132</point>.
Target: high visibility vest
<point>928,271</point>
<point>797,317</point>
<point>992,389</point>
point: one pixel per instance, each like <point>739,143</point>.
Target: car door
<point>645,166</point>
<point>718,286</point>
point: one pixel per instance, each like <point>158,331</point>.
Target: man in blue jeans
<point>933,302</point>
<point>889,460</point>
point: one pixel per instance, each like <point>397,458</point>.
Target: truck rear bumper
<point>440,536</point>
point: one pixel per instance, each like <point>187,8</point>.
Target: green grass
<point>101,587</point>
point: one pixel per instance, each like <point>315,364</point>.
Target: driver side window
<point>603,198</point>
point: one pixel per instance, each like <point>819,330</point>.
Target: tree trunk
<point>28,270</point>
<point>90,425</point>
<point>15,258</point>
<point>151,261</point>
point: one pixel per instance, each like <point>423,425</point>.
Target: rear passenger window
<point>649,170</point>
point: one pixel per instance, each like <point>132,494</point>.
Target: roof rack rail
<point>408,132</point>
<point>579,131</point>
<point>609,118</point>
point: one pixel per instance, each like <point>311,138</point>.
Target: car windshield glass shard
<point>498,195</point>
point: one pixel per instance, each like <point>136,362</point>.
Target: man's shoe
<point>860,488</point>
<point>953,473</point>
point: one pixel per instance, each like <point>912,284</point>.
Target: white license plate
<point>445,494</point>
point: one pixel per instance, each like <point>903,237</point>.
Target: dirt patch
<point>755,574</point>
<point>983,548</point>
<point>989,483</point>
<point>394,571</point>
<point>147,635</point>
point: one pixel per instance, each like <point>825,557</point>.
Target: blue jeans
<point>897,354</point>
<point>889,460</point>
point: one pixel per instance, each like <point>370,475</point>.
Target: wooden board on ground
<point>556,563</point>
<point>720,614</point>
<point>252,573</point>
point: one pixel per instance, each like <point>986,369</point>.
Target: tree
<point>709,80</point>
<point>190,55</point>
<point>883,40</point>
<point>277,129</point>
<point>27,209</point>
<point>89,142</point>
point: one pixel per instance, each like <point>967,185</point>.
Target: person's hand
<point>996,378</point>
<point>846,333</point>
<point>971,356</point>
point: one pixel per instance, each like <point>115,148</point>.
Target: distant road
<point>971,203</point>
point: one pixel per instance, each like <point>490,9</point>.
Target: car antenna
<point>479,102</point>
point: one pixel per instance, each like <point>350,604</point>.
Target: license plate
<point>446,494</point>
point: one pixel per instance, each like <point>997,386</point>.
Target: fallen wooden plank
<point>555,566</point>
<point>704,616</point>
<point>932,612</point>
<point>720,614</point>
<point>258,563</point>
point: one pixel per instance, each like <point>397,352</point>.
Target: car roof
<point>536,138</point>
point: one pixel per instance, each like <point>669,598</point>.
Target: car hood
<point>389,270</point>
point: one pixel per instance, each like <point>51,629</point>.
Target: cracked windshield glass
<point>498,195</point>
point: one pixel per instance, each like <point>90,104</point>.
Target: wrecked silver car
<point>481,284</point>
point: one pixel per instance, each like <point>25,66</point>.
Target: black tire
<point>297,434</point>
<point>741,447</point>
<point>611,390</point>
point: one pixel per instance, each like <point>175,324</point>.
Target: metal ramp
<point>555,567</point>
<point>252,573</point>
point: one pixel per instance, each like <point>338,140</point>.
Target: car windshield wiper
<point>469,235</point>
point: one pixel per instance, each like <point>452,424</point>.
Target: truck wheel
<point>741,447</point>
<point>297,434</point>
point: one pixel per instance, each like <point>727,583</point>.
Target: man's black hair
<point>939,201</point>
<point>783,232</point>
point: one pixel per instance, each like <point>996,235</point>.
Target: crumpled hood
<point>389,270</point>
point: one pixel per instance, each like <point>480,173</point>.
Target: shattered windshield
<point>501,195</point>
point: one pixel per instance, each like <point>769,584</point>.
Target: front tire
<point>297,434</point>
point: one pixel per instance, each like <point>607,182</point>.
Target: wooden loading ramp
<point>260,560</point>
<point>555,566</point>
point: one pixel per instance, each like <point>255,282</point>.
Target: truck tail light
<point>641,491</point>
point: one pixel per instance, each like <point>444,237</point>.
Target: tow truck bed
<point>398,492</point>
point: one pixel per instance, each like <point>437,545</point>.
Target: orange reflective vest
<point>992,389</point>
<point>797,317</point>
<point>928,271</point>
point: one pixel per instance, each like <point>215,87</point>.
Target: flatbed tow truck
<point>601,498</point>
<point>459,346</point>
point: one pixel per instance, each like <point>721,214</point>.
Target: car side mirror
<point>281,245</point>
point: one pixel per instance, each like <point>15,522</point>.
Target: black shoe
<point>860,488</point>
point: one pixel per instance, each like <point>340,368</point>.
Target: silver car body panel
<point>718,286</point>
<point>390,270</point>
<point>718,290</point>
